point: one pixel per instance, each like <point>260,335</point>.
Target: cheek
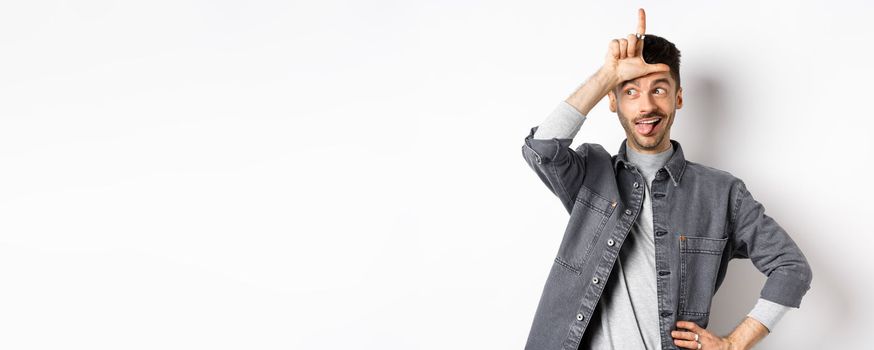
<point>667,105</point>
<point>625,105</point>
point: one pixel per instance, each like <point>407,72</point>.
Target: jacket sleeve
<point>756,236</point>
<point>559,167</point>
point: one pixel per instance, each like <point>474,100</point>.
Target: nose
<point>646,104</point>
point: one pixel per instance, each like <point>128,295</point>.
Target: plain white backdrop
<point>348,174</point>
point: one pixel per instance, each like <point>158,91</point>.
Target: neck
<point>664,146</point>
<point>650,162</point>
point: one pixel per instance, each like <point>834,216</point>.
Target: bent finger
<point>686,344</point>
<point>623,48</point>
<point>683,335</point>
<point>692,326</point>
<point>632,45</point>
<point>614,48</point>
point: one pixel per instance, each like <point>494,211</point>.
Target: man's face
<point>640,101</point>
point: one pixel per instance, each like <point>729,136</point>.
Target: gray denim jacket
<point>702,217</point>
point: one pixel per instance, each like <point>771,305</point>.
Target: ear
<point>612,96</point>
<point>680,98</point>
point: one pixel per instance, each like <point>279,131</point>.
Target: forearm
<point>566,119</point>
<point>747,333</point>
<point>593,90</point>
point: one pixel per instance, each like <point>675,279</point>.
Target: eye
<point>630,91</point>
<point>660,90</point>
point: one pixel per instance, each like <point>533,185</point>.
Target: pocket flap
<point>693,244</point>
<point>595,201</point>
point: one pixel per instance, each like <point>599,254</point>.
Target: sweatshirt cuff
<point>768,312</point>
<point>564,122</point>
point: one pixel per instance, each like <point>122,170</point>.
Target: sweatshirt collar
<point>675,165</point>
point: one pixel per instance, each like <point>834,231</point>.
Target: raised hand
<point>625,56</point>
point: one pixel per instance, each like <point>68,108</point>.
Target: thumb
<point>657,68</point>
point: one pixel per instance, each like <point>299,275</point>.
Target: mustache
<point>650,115</point>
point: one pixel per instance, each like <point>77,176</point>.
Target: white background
<point>348,174</point>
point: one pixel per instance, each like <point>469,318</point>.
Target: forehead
<point>650,79</point>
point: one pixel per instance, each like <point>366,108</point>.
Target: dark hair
<point>659,50</point>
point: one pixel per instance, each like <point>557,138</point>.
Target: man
<point>650,233</point>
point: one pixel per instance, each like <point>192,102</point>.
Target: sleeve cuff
<point>785,289</point>
<point>564,123</point>
<point>768,312</point>
<point>544,151</point>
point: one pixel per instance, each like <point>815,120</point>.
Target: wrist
<point>607,77</point>
<point>593,90</point>
<point>734,343</point>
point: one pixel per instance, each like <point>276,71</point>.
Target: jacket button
<point>613,204</point>
<point>627,211</point>
<point>595,280</point>
<point>610,242</point>
<point>636,185</point>
<point>579,317</point>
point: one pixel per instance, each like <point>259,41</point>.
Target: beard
<point>646,143</point>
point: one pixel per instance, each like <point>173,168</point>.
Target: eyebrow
<point>659,80</point>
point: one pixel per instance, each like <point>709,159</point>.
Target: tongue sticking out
<point>644,128</point>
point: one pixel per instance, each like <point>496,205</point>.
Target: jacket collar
<point>675,166</point>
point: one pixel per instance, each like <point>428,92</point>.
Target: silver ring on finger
<point>699,346</point>
<point>696,337</point>
<point>640,36</point>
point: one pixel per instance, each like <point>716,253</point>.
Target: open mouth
<point>646,126</point>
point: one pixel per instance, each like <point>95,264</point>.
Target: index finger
<point>687,325</point>
<point>641,21</point>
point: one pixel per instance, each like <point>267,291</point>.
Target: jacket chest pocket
<point>589,216</point>
<point>700,260</point>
